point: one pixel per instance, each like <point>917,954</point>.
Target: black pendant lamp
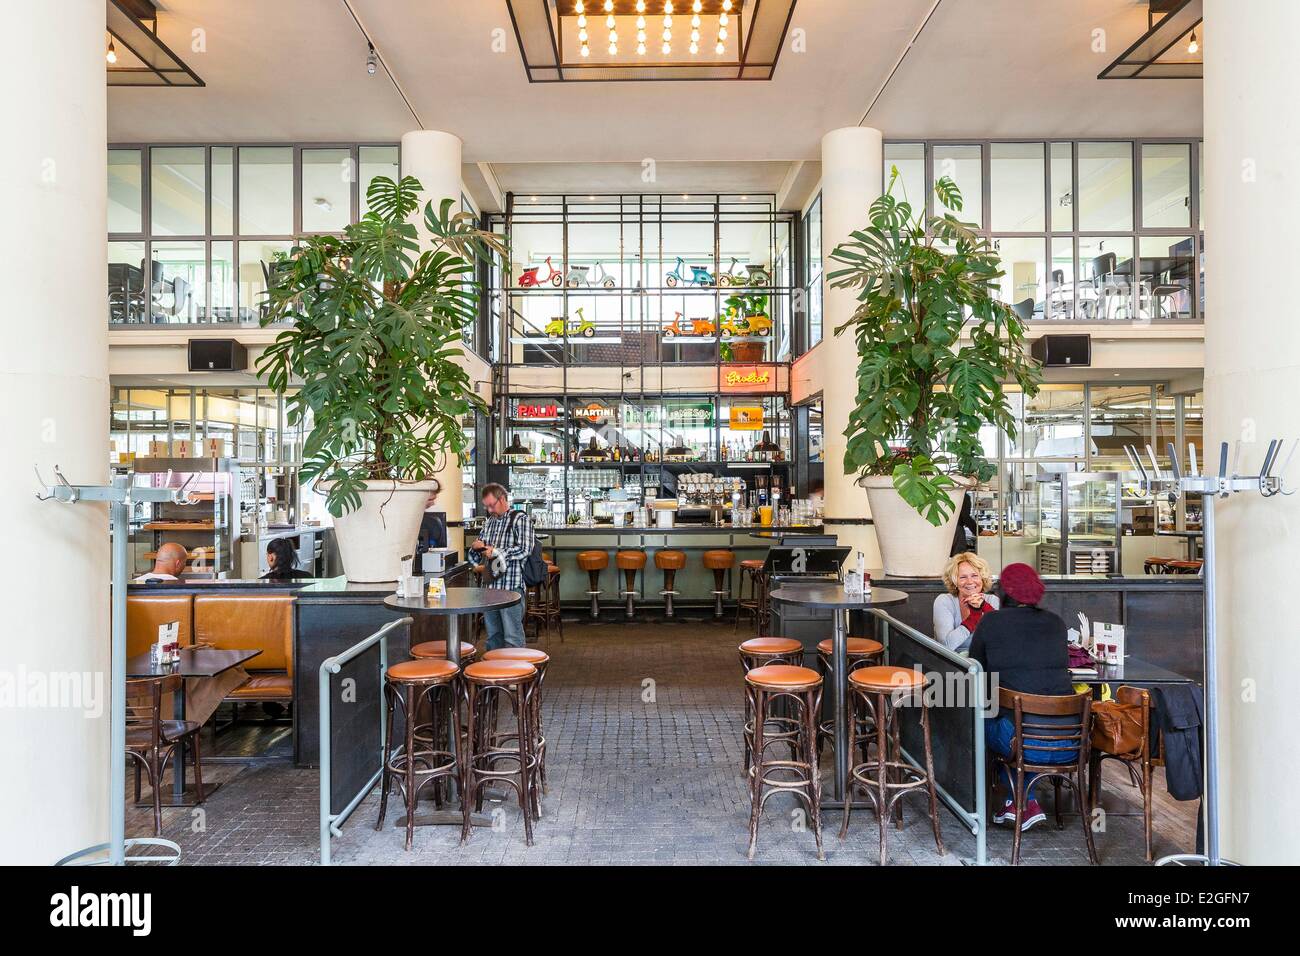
<point>592,453</point>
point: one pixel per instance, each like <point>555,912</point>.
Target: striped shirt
<point>513,537</point>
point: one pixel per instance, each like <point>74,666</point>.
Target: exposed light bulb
<point>697,6</point>
<point>111,55</point>
<point>577,6</point>
<point>582,20</point>
<point>371,64</point>
<point>722,33</point>
<point>613,48</point>
<point>640,6</point>
<point>667,48</point>
<point>585,51</point>
<point>668,35</point>
<point>609,6</point>
<point>1192,45</point>
<point>695,20</point>
<point>582,36</point>
<point>723,19</point>
<point>610,21</point>
<point>640,23</point>
<point>695,47</point>
<point>720,49</point>
<point>640,36</point>
<point>695,36</point>
<point>668,6</point>
<point>668,20</point>
<point>726,5</point>
<point>640,49</point>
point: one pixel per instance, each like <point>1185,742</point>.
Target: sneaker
<point>1007,814</point>
<point>1032,816</point>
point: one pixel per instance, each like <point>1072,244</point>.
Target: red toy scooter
<point>529,279</point>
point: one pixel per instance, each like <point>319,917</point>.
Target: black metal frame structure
<point>160,66</point>
<point>760,27</point>
<point>1144,59</point>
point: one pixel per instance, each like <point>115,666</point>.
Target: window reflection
<point>962,164</point>
<point>177,191</point>
<point>126,284</point>
<point>177,289</point>
<point>1166,185</point>
<point>1016,187</point>
<point>909,158</point>
<point>265,190</point>
<point>1060,281</point>
<point>327,176</point>
<point>1023,273</point>
<point>1105,186</point>
<point>1062,188</point>
<point>1165,271</point>
<point>124,185</point>
<point>1105,286</point>
<point>255,259</point>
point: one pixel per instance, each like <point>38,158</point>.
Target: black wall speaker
<point>217,355</point>
<point>1057,350</point>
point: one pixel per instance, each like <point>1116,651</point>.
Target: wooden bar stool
<point>888,778</point>
<point>428,715</point>
<point>538,659</point>
<point>630,562</point>
<point>1156,565</point>
<point>759,652</point>
<point>862,652</point>
<point>751,571</point>
<point>542,606</point>
<point>486,682</point>
<point>802,687</point>
<point>1185,567</point>
<point>553,573</point>
<point>720,561</point>
<point>669,561</point>
<point>593,562</point>
<point>413,767</point>
<point>437,650</point>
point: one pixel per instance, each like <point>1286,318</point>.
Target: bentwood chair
<point>1140,763</point>
<point>152,741</point>
<point>1034,733</point>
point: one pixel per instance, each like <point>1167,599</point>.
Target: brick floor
<point>644,767</point>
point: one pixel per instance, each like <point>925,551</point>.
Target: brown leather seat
<point>770,645</point>
<point>145,612</point>
<point>857,647</point>
<point>752,564</point>
<point>718,559</point>
<point>529,654</point>
<point>247,621</point>
<point>499,672</point>
<point>439,649</point>
<point>886,678</point>
<point>593,560</point>
<point>1184,567</point>
<point>670,559</point>
<point>783,676</point>
<point>423,670</point>
<point>630,560</point>
<point>552,569</point>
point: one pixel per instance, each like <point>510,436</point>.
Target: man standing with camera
<point>502,550</point>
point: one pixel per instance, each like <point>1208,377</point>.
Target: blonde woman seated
<point>968,579</point>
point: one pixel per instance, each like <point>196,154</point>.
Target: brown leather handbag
<point>1116,727</point>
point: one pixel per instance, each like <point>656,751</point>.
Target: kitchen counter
<point>680,529</point>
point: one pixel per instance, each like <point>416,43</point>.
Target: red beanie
<point>1021,583</point>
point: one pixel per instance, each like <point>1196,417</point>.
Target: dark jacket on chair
<point>1180,715</point>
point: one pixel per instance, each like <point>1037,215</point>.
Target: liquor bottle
<point>722,452</point>
<point>618,453</point>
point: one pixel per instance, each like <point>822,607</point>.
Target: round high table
<point>831,596</point>
<point>455,604</point>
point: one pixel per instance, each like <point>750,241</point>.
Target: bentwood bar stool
<point>486,684</point>
<point>538,659</point>
<point>755,605</point>
<point>151,741</point>
<point>758,652</point>
<point>880,693</point>
<point>861,652</point>
<point>420,761</point>
<point>802,688</point>
<point>669,561</point>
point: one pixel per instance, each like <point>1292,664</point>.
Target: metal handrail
<point>976,821</point>
<point>331,823</point>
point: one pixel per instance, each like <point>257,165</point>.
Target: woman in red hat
<point>1026,647</point>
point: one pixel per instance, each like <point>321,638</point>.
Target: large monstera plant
<point>936,349</point>
<point>374,329</point>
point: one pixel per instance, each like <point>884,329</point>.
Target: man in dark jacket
<point>1025,646</point>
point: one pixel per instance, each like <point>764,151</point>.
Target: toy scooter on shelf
<point>755,275</point>
<point>700,276</point>
<point>733,323</point>
<point>688,327</point>
<point>560,327</point>
<point>529,279</point>
<point>578,275</point>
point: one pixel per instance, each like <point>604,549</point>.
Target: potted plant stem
<point>747,312</point>
<point>374,331</point>
<point>936,350</point>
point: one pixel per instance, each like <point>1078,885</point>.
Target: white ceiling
<point>294,70</point>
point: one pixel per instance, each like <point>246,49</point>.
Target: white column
<point>1252,366</point>
<point>54,402</point>
<point>434,158</point>
<point>852,164</point>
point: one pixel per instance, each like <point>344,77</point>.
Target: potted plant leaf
<point>746,315</point>
<point>936,350</point>
<point>374,331</point>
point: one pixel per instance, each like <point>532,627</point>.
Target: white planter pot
<point>909,545</point>
<point>373,539</point>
